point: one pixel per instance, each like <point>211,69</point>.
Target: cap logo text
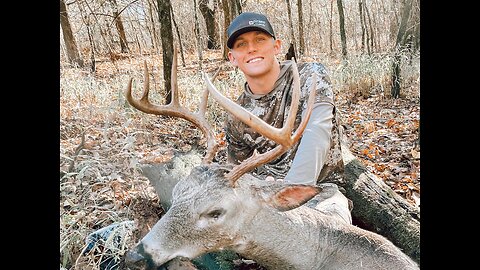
<point>257,23</point>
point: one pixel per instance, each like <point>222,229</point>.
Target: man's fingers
<point>269,178</point>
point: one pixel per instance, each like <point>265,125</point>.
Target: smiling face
<point>254,53</point>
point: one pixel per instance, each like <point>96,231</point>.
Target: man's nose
<point>252,47</point>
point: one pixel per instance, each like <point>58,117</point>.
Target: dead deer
<point>221,207</point>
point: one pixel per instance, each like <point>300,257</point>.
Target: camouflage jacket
<point>273,108</point>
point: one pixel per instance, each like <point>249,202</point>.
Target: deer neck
<point>304,239</point>
<point>283,240</point>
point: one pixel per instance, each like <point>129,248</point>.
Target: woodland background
<point>370,47</point>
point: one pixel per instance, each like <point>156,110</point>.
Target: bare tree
<point>209,17</point>
<point>153,34</point>
<point>412,38</point>
<point>331,26</point>
<point>88,25</point>
<point>231,9</point>
<point>399,44</point>
<point>197,35</point>
<point>362,25</point>
<point>342,28</point>
<point>119,25</point>
<point>164,7</point>
<point>73,56</point>
<point>371,35</point>
<point>180,43</point>
<point>290,23</point>
<point>301,40</point>
<point>367,32</point>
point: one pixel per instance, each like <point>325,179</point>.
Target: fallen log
<point>376,207</point>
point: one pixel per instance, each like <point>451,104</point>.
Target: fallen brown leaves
<point>384,134</point>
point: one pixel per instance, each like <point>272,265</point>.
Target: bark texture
<point>376,207</point>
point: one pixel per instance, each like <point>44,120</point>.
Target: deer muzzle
<point>137,259</point>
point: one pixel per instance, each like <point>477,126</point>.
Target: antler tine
<point>203,105</point>
<point>282,136</point>
<point>174,109</point>
<point>279,135</point>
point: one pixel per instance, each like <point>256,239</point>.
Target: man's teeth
<point>254,60</point>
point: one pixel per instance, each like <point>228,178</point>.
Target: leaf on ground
<point>415,154</point>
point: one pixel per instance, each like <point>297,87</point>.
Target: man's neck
<point>263,85</point>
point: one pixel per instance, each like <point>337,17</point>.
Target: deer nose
<point>135,260</point>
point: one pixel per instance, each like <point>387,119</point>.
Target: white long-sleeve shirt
<point>313,148</point>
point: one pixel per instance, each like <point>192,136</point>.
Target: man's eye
<point>241,44</point>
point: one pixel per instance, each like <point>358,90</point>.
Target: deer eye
<point>215,213</point>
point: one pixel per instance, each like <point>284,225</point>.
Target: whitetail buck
<point>223,207</point>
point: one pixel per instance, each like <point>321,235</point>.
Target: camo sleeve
<point>238,149</point>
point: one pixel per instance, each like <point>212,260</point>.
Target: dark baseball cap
<point>246,22</point>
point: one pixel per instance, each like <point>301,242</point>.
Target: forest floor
<point>103,141</point>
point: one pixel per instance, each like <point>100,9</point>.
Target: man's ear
<point>278,46</point>
<point>232,59</point>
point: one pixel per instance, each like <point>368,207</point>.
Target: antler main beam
<point>174,109</point>
<point>283,136</point>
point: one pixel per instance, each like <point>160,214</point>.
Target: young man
<point>267,94</point>
<point>317,158</point>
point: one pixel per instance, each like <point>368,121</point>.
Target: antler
<point>283,136</point>
<point>174,109</point>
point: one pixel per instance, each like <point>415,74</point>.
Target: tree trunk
<point>290,23</point>
<point>120,28</point>
<point>301,50</point>
<point>164,17</point>
<point>70,44</point>
<point>342,28</point>
<point>153,34</point>
<point>291,53</point>
<point>378,34</point>
<point>209,17</point>
<point>231,9</point>
<point>197,35</point>
<point>399,43</point>
<point>367,32</point>
<point>180,43</point>
<point>376,207</point>
<point>93,48</point>
<point>362,26</point>
<point>331,26</point>
<point>372,36</point>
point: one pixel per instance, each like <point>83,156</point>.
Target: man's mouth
<point>254,60</point>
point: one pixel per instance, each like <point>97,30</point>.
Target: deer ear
<point>292,196</point>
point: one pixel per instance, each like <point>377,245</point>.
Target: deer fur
<point>267,222</point>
